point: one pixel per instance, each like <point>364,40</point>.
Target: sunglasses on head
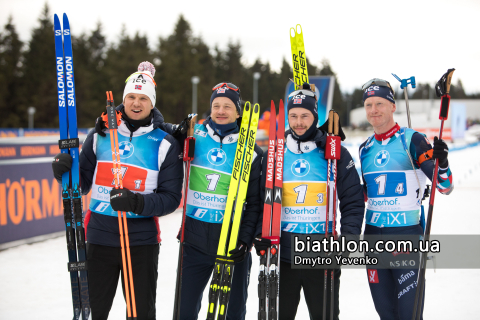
<point>379,82</point>
<point>229,85</point>
<point>304,92</point>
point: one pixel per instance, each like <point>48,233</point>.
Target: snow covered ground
<point>34,282</point>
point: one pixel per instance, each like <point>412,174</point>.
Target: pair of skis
<point>299,59</point>
<point>442,89</point>
<point>220,286</point>
<point>269,274</point>
<point>332,154</point>
<point>113,118</point>
<point>188,155</point>
<point>71,191</point>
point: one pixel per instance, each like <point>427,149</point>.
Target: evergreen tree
<point>39,87</point>
<point>90,80</point>
<point>121,61</point>
<point>183,56</point>
<point>10,75</point>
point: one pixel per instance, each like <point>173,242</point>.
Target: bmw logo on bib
<point>381,158</point>
<point>300,167</point>
<point>126,149</point>
<point>216,156</point>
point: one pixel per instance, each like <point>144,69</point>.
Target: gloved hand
<point>100,125</point>
<point>261,244</point>
<point>61,163</point>
<point>126,200</point>
<point>239,253</point>
<point>182,128</point>
<point>440,152</point>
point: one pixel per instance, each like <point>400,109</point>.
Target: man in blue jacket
<point>152,175</point>
<point>210,172</point>
<point>396,163</point>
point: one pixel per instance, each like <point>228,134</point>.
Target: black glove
<point>182,128</point>
<point>239,253</point>
<point>61,163</point>
<point>261,244</point>
<point>440,152</point>
<point>126,200</point>
<point>100,125</point>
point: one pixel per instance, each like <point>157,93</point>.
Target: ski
<point>442,89</point>
<point>332,154</point>
<point>299,58</point>
<point>71,190</point>
<point>219,292</point>
<point>267,216</point>
<point>188,155</point>
<point>274,254</point>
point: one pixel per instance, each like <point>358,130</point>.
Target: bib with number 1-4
<point>394,195</point>
<point>304,188</point>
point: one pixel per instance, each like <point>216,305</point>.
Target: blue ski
<point>71,191</point>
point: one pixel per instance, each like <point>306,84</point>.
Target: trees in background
<point>27,75</point>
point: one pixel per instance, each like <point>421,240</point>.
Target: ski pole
<point>113,122</point>
<point>327,210</point>
<point>188,155</point>
<point>334,147</point>
<point>404,85</point>
<point>443,89</point>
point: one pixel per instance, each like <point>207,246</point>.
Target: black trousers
<point>312,283</point>
<point>196,271</point>
<point>104,267</point>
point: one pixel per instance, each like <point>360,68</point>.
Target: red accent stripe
<point>157,224</point>
<point>388,134</point>
<point>86,221</point>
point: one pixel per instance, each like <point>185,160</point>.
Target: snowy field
<point>34,283</point>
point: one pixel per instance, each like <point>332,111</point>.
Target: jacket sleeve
<point>350,194</point>
<point>88,162</point>
<point>253,205</point>
<point>421,148</point>
<point>168,194</point>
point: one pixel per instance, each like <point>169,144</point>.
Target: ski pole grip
<point>111,114</point>
<point>330,122</point>
<point>444,106</point>
<point>336,121</point>
<point>191,126</point>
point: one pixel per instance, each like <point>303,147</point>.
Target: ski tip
<point>298,26</point>
<point>292,34</point>
<point>247,106</point>
<point>256,108</point>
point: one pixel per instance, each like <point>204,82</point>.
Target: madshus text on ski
<point>282,202</point>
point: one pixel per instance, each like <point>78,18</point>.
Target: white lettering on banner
<point>332,145</point>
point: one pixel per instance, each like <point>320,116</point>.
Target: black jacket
<point>350,195</point>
